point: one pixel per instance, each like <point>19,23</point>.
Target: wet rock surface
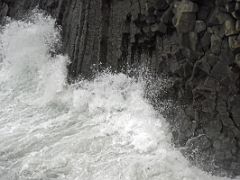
<point>195,42</point>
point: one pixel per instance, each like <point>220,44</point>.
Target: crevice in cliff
<point>62,11</point>
<point>139,6</point>
<point>122,61</point>
<point>231,116</point>
<point>73,67</point>
<point>216,112</point>
<point>106,12</point>
<point>85,27</point>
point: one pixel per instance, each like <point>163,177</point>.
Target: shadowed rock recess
<point>195,42</point>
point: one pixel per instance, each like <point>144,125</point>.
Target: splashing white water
<point>94,130</point>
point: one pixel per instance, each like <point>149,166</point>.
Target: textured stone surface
<point>195,42</point>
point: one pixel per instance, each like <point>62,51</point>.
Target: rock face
<point>195,42</point>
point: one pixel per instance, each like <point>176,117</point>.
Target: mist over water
<point>102,129</point>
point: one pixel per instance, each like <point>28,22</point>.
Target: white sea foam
<point>94,130</point>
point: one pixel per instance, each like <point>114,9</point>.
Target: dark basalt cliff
<point>195,42</point>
